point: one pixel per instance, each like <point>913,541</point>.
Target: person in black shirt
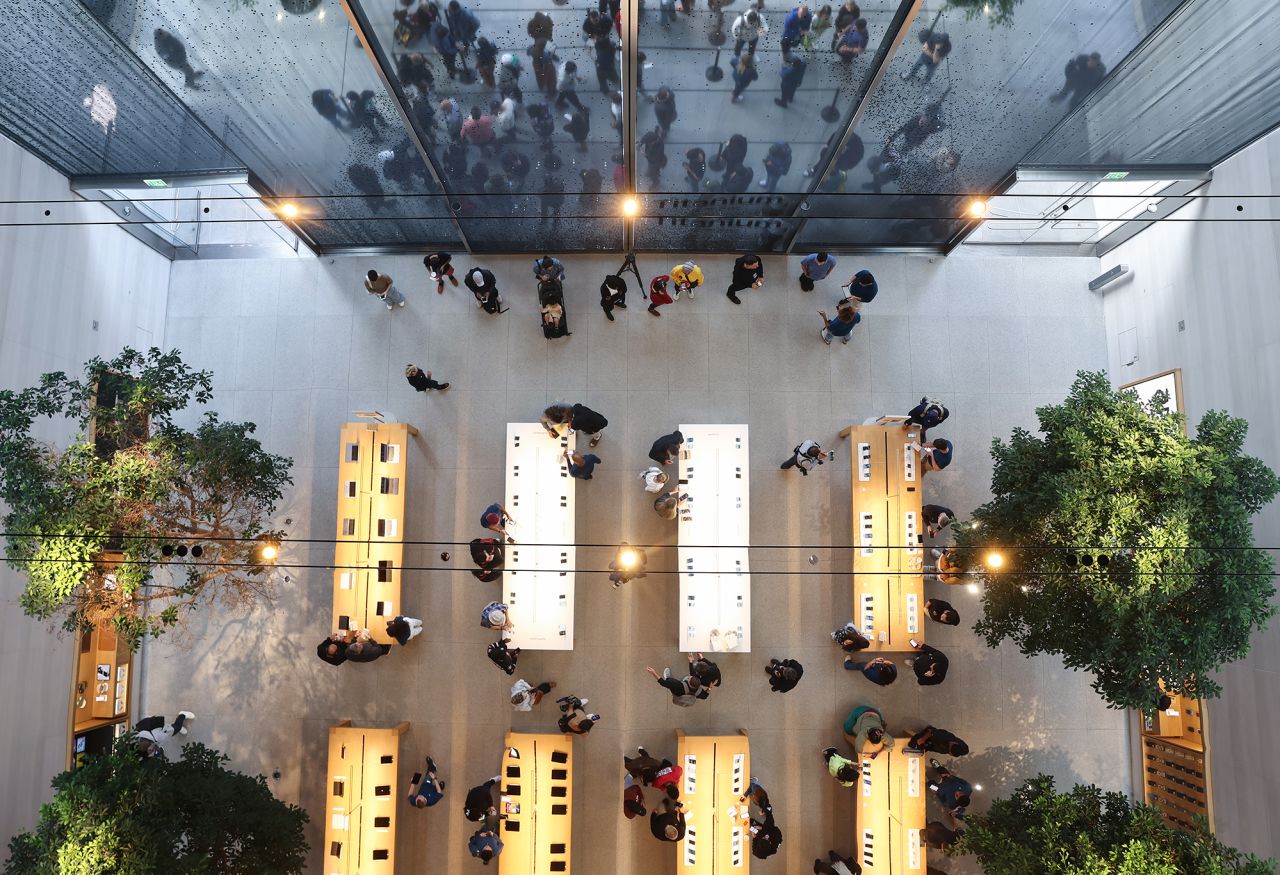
<point>363,649</point>
<point>421,380</point>
<point>503,658</point>
<point>642,767</point>
<point>927,414</point>
<point>582,418</point>
<point>942,612</point>
<point>879,671</point>
<point>666,822</point>
<point>937,740</point>
<point>930,666</point>
<point>748,273</point>
<point>783,674</point>
<point>666,448</point>
<point>936,835</point>
<point>404,629</point>
<point>937,518</point>
<point>484,286</point>
<point>848,866</point>
<point>765,836</point>
<point>333,649</point>
<point>613,293</point>
<point>479,802</point>
<point>487,553</point>
<point>706,671</point>
<point>437,264</point>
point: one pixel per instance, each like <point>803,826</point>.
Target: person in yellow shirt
<point>686,277</point>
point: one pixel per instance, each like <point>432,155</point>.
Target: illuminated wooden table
<point>369,551</point>
<point>891,813</point>
<point>888,535</point>
<point>717,771</point>
<point>363,792</point>
<point>538,578</point>
<point>537,797</point>
<point>715,581</point>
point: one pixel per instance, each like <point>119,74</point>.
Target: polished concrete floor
<point>297,345</point>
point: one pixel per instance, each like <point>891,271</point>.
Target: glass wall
<point>87,106</point>
<point>287,87</point>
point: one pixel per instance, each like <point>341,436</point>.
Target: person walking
<point>613,293</point>
<point>744,73</point>
<point>954,793</point>
<point>814,268</point>
<point>879,671</point>
<point>658,294</point>
<point>866,731</point>
<point>850,639</point>
<point>404,629</point>
<point>930,666</point>
<point>934,47</point>
<point>666,449</point>
<point>806,455</point>
<point>524,695</point>
<point>783,674</point>
<point>575,418</point>
<point>484,288</point>
<point>666,822</point>
<point>421,380</point>
<point>841,325</point>
<point>843,769</point>
<point>686,276</point>
<point>777,164</point>
<point>654,479</point>
<point>937,740</point>
<point>748,273</point>
<point>664,109</point>
<point>580,467</point>
<point>496,616</point>
<point>574,718</point>
<point>942,612</point>
<point>381,286</point>
<point>747,30</point>
<point>439,268</point>
<point>792,75</point>
<point>567,86</point>
<point>426,789</point>
<point>495,518</point>
<point>684,692</point>
<point>836,865</point>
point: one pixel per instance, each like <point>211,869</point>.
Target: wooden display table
<point>888,535</point>
<point>717,772</point>
<point>100,686</point>
<point>537,798</point>
<point>538,579</point>
<point>363,793</point>
<point>891,813</point>
<point>369,553</point>
<point>715,581</point>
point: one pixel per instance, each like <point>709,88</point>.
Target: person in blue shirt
<point>580,466</point>
<point>426,790</point>
<point>879,671</point>
<point>935,455</point>
<point>744,73</point>
<point>792,76</point>
<point>485,845</point>
<point>815,267</point>
<point>796,26</point>
<point>954,793</point>
<point>852,41</point>
<point>548,267</point>
<point>862,288</point>
<point>927,414</point>
<point>841,326</point>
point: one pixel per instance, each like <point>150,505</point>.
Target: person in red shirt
<point>658,294</point>
<point>632,799</point>
<point>667,779</point>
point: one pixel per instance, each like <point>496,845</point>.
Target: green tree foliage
<point>1182,589</point>
<point>131,481</point>
<point>1038,831</point>
<point>996,12</point>
<point>120,814</point>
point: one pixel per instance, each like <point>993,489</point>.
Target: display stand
<point>717,772</point>
<point>537,801</point>
<point>891,812</point>
<point>361,800</point>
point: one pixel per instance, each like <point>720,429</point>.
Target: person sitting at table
<point>927,414</point>
<point>864,729</point>
<point>333,649</point>
<point>936,740</point>
<point>666,822</point>
<point>837,865</point>
<point>934,455</point>
<point>942,612</point>
<point>850,639</point>
<point>936,518</point>
<point>494,616</point>
<point>495,518</point>
<point>427,789</point>
<point>487,553</point>
<point>930,666</point>
<point>843,769</point>
<point>666,449</point>
<point>503,657</point>
<point>485,845</point>
<point>879,671</point>
<point>783,674</point>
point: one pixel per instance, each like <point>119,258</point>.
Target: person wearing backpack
<point>684,692</point>
<point>503,657</point>
<point>807,454</point>
<point>777,164</point>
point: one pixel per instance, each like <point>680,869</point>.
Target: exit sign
<point>1116,174</point>
<point>155,183</point>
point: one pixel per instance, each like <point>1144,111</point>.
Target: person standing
<point>843,769</point>
<point>747,30</point>
<point>783,674</point>
<point>613,293</point>
<point>836,865</point>
<point>766,836</point>
<point>578,418</point>
<point>548,268</point>
<point>934,46</point>
<point>495,519</point>
<point>850,639</point>
<point>936,835</point>
<point>954,793</point>
<point>744,73</point>
<point>686,277</point>
<point>486,553</point>
<point>439,267</point>
<point>404,629</point>
<point>666,449</point>
<point>942,612</point>
<point>421,380</point>
<point>580,467</point>
<point>658,294</point>
<point>852,41</point>
<point>502,656</point>
<point>862,288</point>
<point>484,288</point>
<point>937,740</point>
<point>684,692</point>
<point>814,268</point>
<point>792,75</point>
<point>930,666</point>
<point>485,845</point>
<point>606,67</point>
<point>777,164</point>
<point>879,671</point>
<point>936,517</point>
<point>426,789</point>
<point>574,718</point>
<point>795,27</point>
<point>567,86</point>
<point>540,29</point>
<point>846,15</point>
<point>929,413</point>
<point>748,273</point>
<point>695,168</point>
<point>381,286</point>
<point>365,649</point>
<point>628,564</point>
<point>935,454</point>
<point>866,731</point>
<point>841,325</point>
<point>668,504</point>
<point>333,649</point>
<point>666,822</point>
<point>654,479</point>
<point>486,62</point>
<point>524,695</point>
<point>495,616</point>
<point>805,456</point>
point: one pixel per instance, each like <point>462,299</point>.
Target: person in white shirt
<point>807,454</point>
<point>747,30</point>
<point>654,478</point>
<point>524,696</point>
<point>504,118</point>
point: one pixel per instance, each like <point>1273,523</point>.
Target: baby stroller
<point>555,322</point>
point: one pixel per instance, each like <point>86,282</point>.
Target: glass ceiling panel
<point>287,87</point>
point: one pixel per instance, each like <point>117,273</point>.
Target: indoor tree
<point>1127,544</point>
<point>89,524</point>
<point>1039,831</point>
<point>122,814</point>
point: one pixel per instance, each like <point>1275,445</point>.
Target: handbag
<point>806,284</point>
